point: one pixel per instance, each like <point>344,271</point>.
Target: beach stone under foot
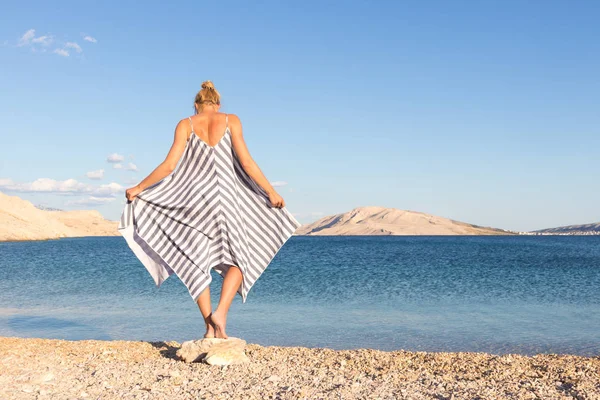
<point>214,351</point>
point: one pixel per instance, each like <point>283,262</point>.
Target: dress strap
<point>226,123</point>
<point>191,126</point>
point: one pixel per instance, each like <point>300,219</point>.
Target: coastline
<point>306,235</point>
<point>50,239</point>
<point>55,368</point>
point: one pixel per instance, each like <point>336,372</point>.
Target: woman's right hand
<point>132,192</point>
<point>276,200</point>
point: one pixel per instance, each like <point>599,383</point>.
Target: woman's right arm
<point>172,158</point>
<point>248,163</point>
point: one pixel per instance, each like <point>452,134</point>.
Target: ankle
<point>220,313</point>
<point>219,319</point>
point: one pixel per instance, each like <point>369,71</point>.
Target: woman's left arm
<point>168,165</point>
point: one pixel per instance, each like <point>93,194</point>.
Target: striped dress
<point>208,213</point>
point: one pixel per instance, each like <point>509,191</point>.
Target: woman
<point>213,210</point>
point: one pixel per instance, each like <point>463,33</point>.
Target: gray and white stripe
<point>207,214</point>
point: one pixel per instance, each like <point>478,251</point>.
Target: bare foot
<point>219,322</point>
<point>210,332</point>
<point>210,328</point>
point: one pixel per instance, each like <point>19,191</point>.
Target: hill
<point>391,221</point>
<point>21,220</point>
<point>586,229</point>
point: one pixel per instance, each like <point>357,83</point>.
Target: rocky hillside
<point>391,221</point>
<point>586,229</point>
<point>21,220</point>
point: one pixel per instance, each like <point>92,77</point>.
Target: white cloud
<point>131,167</point>
<point>61,52</point>
<point>29,39</point>
<point>26,38</point>
<point>109,189</point>
<point>43,40</point>
<point>36,44</point>
<point>278,183</point>
<point>99,174</point>
<point>5,182</point>
<point>91,201</point>
<point>69,186</point>
<point>117,166</point>
<point>115,158</point>
<point>44,185</point>
<point>65,50</point>
<point>48,185</point>
<point>73,45</point>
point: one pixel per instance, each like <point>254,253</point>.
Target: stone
<point>45,378</point>
<point>226,358</point>
<point>214,351</point>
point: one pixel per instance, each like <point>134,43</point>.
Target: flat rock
<point>214,351</point>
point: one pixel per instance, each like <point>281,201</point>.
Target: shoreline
<point>107,369</point>
<point>48,239</point>
<point>305,235</point>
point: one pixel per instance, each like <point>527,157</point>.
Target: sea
<point>495,294</point>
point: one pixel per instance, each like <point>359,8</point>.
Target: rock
<point>227,355</point>
<point>46,378</point>
<point>27,388</point>
<point>214,351</point>
<point>195,350</point>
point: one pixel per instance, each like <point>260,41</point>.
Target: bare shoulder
<point>235,126</point>
<point>234,119</point>
<point>183,123</point>
<point>183,127</point>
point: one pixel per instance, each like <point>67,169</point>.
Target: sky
<point>485,112</point>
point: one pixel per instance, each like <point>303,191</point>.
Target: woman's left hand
<point>132,192</point>
<point>276,200</point>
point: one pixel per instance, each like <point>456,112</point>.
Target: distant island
<point>586,229</point>
<point>391,221</point>
<point>21,220</point>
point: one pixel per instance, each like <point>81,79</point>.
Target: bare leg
<point>203,302</point>
<point>231,283</point>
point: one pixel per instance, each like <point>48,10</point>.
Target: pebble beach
<point>34,368</point>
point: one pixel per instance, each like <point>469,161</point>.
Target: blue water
<point>519,294</point>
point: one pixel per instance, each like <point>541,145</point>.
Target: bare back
<point>209,127</point>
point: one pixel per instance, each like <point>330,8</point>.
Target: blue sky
<point>480,111</point>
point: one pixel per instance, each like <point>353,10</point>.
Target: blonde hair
<point>207,95</point>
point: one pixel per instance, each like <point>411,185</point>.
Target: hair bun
<point>207,95</point>
<point>207,85</point>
